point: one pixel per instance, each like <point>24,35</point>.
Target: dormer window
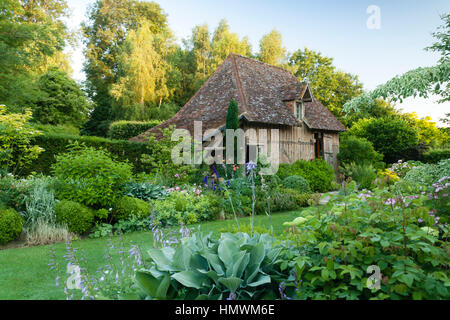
<point>299,110</point>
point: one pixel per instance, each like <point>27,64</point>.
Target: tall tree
<point>225,42</point>
<point>271,49</point>
<point>32,37</point>
<point>331,86</point>
<point>143,68</point>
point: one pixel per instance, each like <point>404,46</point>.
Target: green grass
<point>24,272</point>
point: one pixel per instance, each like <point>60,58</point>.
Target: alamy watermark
<point>240,147</point>
<point>374,20</point>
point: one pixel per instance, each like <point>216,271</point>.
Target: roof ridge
<point>265,63</point>
<point>240,89</point>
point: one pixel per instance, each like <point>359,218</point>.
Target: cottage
<point>269,97</point>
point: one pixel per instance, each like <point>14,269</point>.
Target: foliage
<point>436,155</point>
<point>108,25</point>
<point>11,224</point>
<point>60,101</point>
<point>142,69</point>
<point>16,134</point>
<point>271,49</point>
<point>124,130</point>
<point>32,39</point>
<point>128,206</point>
<point>236,266</point>
<point>144,190</point>
<point>334,249</point>
<point>427,131</point>
<point>297,183</point>
<point>317,172</point>
<point>44,233</point>
<point>363,173</point>
<point>401,168</point>
<point>39,203</point>
<point>183,207</point>
<point>332,87</point>
<point>77,217</point>
<point>354,149</point>
<point>55,144</point>
<point>427,174</point>
<point>12,192</point>
<point>392,137</point>
<point>90,176</point>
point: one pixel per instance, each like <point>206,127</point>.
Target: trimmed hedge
<point>436,155</point>
<point>126,207</point>
<point>54,144</point>
<point>11,224</point>
<point>124,130</point>
<point>76,216</point>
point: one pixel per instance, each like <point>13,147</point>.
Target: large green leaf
<point>262,279</point>
<point>189,279</point>
<point>231,283</point>
<point>181,258</point>
<point>215,263</point>
<point>240,264</point>
<point>163,258</point>
<point>257,254</point>
<point>147,282</point>
<point>227,248</point>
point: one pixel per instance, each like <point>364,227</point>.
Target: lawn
<point>24,272</point>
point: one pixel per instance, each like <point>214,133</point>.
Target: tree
<point>331,86</point>
<point>232,122</point>
<point>32,38</point>
<point>60,100</point>
<point>109,22</point>
<point>394,138</point>
<point>271,49</point>
<point>418,82</point>
<point>358,150</point>
<point>426,129</point>
<point>143,69</point>
<point>225,42</point>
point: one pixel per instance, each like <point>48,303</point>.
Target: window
<point>299,110</point>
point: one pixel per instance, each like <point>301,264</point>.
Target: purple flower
<point>420,220</point>
<point>251,166</point>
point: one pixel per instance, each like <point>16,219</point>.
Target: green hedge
<point>54,144</point>
<point>436,155</point>
<point>124,130</point>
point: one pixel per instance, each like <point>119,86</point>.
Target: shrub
<point>427,174</point>
<point>184,208</point>
<point>12,192</point>
<point>436,155</point>
<point>144,191</point>
<point>17,148</point>
<point>318,173</point>
<point>42,233</point>
<point>283,196</point>
<point>354,149</point>
<point>297,183</point>
<point>11,224</point>
<point>90,176</point>
<point>57,143</point>
<point>236,266</point>
<point>127,207</point>
<point>76,216</point>
<point>378,228</point>
<point>394,138</point>
<point>124,130</point>
<point>362,173</point>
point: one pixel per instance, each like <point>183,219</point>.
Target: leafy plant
<point>297,183</point>
<point>236,266</point>
<point>362,173</point>
<point>354,149</point>
<point>126,207</point>
<point>11,224</point>
<point>144,191</point>
<point>16,134</point>
<point>76,216</point>
<point>90,176</point>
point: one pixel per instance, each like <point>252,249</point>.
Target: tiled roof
<point>260,91</point>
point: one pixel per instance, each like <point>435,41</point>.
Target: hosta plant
<point>236,266</point>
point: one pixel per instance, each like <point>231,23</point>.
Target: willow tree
<point>419,82</point>
<point>143,69</point>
